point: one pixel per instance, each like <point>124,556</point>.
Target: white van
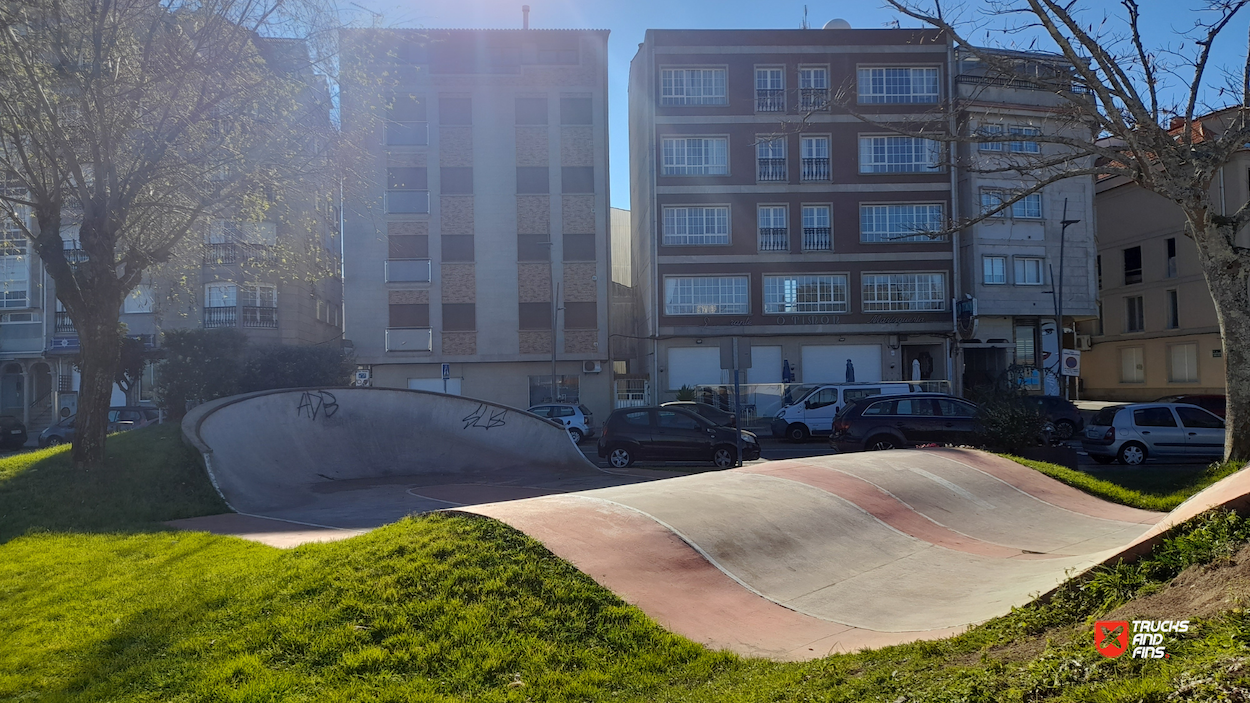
<point>813,413</point>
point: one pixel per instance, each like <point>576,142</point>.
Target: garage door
<point>693,366</point>
<point>765,365</point>
<point>827,363</point>
<point>434,384</point>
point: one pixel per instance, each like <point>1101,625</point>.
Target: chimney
<point>525,17</point>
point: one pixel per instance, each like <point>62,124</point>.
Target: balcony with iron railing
<point>771,169</point>
<point>768,100</point>
<point>816,239</point>
<point>260,317</point>
<point>221,317</point>
<point>813,99</point>
<point>815,169</point>
<point>64,325</point>
<point>223,253</point>
<point>774,239</point>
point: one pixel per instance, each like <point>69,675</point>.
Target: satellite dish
<point>837,24</point>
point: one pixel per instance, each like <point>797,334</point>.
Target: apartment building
<point>1011,262</point>
<point>276,279</point>
<point>476,227</point>
<point>760,212</point>
<point>1158,333</point>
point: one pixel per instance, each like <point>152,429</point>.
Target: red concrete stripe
<point>888,509</point>
<point>1045,488</point>
<point>649,566</point>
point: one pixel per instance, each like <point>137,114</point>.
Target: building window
<point>577,179</point>
<point>535,316</point>
<point>531,111</point>
<point>575,111</point>
<point>899,155</point>
<point>798,294</point>
<point>1132,266</point>
<point>407,315</point>
<point>706,295</point>
<point>581,316</point>
<point>455,111</point>
<point>407,191</point>
<point>1183,363</point>
<point>139,300</point>
<point>770,90</point>
<point>898,85</point>
<point>813,88</point>
<point>991,130</point>
<point>566,390</point>
<point>1028,207</point>
<point>770,158</point>
<point>696,156</point>
<point>533,179</point>
<point>904,292</point>
<point>909,222</point>
<point>459,317</point>
<point>995,270</point>
<point>533,247</point>
<point>406,122</point>
<point>817,232</point>
<point>457,247</point>
<point>692,86</point>
<point>991,200</point>
<point>1028,271</point>
<point>1026,345</point>
<point>815,158</point>
<point>14,268</point>
<point>220,301</point>
<point>1132,365</point>
<point>579,247</point>
<point>260,306</point>
<point>774,234</point>
<point>696,225</point>
<point>1134,314</point>
<point>1023,146</point>
<point>457,180</point>
<point>1174,311</point>
<point>1171,265</point>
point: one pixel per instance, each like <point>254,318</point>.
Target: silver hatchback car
<point>1133,433</point>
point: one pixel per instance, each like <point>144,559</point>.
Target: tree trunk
<point>1227,271</point>
<point>100,355</point>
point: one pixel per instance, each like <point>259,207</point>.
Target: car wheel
<point>55,441</point>
<point>1132,454</point>
<point>1065,429</point>
<point>620,457</point>
<point>881,443</point>
<point>576,434</point>
<point>797,433</point>
<point>725,457</point>
<point>1102,459</point>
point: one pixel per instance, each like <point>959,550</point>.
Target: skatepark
<point>789,559</point>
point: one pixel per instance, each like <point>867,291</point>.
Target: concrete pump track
<point>789,559</point>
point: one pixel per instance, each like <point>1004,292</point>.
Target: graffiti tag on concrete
<point>314,403</point>
<point>485,418</point>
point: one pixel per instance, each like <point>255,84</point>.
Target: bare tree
<point>1115,118</point>
<point>135,121</point>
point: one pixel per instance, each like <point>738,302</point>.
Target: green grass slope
<point>454,608</point>
<point>1148,487</point>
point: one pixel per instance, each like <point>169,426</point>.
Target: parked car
<point>874,423</point>
<point>1213,403</point>
<point>708,412</point>
<point>671,434</point>
<point>813,413</point>
<point>577,419</point>
<point>1136,432</point>
<point>1061,413</point>
<point>12,432</point>
<point>121,419</point>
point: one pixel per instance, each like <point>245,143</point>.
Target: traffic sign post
<point>446,375</point>
<point>735,355</point>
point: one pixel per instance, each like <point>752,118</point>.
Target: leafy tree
<point>291,366</point>
<point>133,359</point>
<point>199,365</point>
<point>134,122</point>
<point>1132,111</point>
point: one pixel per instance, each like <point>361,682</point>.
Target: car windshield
<point>1106,416</point>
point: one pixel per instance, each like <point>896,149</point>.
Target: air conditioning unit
<point>591,367</point>
<point>1083,342</point>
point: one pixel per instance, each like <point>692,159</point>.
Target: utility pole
<point>555,314</point>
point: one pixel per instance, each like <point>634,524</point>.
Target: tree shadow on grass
<point>150,476</point>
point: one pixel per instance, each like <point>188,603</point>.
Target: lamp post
<point>1063,228</point>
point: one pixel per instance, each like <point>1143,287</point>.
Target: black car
<point>708,412</point>
<point>1061,413</point>
<point>890,422</point>
<point>12,432</point>
<point>671,434</point>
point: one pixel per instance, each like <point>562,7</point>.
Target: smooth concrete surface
<point>362,457</point>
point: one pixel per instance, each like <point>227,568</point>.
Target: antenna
<point>805,25</point>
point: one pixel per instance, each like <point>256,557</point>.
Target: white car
<point>577,419</point>
<point>812,414</point>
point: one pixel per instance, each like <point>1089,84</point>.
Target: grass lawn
<point>1148,486</point>
<point>453,608</point>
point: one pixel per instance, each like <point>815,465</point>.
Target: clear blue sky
<point>629,20</point>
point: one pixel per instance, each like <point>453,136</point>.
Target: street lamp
<point>1063,228</point>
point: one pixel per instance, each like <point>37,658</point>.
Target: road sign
<point>735,353</point>
<point>1070,363</point>
<point>446,371</point>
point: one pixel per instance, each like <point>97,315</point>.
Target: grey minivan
<point>1133,433</point>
